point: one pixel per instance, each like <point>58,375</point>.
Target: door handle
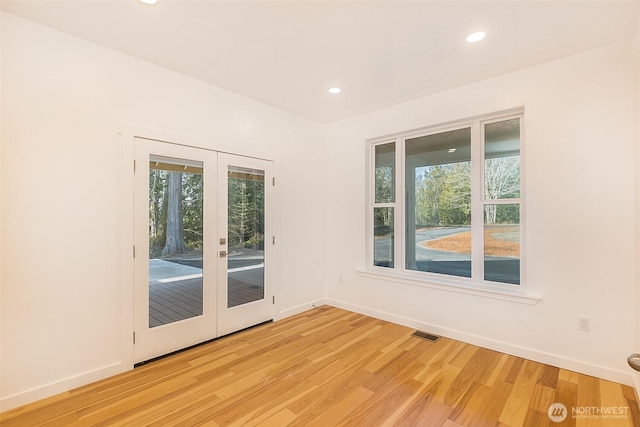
<point>634,361</point>
<point>223,254</point>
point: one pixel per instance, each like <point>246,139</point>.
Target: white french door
<point>245,294</point>
<point>201,266</point>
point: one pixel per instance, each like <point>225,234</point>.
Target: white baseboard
<point>299,309</point>
<point>636,385</point>
<point>61,386</point>
<point>527,353</point>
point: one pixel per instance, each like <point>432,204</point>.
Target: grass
<point>499,241</point>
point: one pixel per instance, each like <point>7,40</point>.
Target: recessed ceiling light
<point>149,1</point>
<point>451,150</point>
<point>335,90</point>
<point>475,37</point>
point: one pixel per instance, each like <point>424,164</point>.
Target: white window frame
<point>475,285</point>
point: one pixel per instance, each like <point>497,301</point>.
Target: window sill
<point>486,291</point>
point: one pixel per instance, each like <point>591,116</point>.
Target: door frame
<point>126,134</point>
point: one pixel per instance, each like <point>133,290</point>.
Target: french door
<point>202,246</point>
<point>245,294</point>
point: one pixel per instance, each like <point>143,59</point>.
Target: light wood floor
<point>329,367</point>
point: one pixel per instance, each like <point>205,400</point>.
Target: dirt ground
<point>500,241</point>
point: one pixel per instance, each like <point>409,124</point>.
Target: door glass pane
<point>383,237</point>
<point>175,240</point>
<point>245,261</point>
<point>502,160</point>
<point>438,205</point>
<point>502,243</point>
<point>385,173</point>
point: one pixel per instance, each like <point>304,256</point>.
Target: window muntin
<point>460,213</point>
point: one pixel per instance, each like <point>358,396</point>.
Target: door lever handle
<point>634,361</point>
<point>223,254</point>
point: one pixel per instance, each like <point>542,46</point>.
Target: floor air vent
<point>426,336</point>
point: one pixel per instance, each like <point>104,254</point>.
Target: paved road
<point>383,245</point>
<point>425,254</point>
<point>437,232</point>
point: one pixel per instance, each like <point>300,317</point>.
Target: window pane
<point>175,240</point>
<point>438,206</point>
<point>502,243</point>
<point>502,160</point>
<point>383,237</point>
<point>385,173</point>
<point>245,219</point>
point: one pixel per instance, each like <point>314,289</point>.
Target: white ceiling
<point>288,53</point>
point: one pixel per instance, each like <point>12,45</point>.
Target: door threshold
<point>200,344</point>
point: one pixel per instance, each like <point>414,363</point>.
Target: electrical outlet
<point>584,324</point>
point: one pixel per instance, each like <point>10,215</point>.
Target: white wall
<point>636,375</point>
<point>579,131</point>
<point>63,101</point>
<point>1,197</point>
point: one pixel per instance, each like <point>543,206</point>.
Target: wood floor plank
<point>282,418</point>
<point>342,409</point>
<point>535,418</point>
<point>492,406</point>
<point>477,370</point>
<point>517,405</point>
<point>426,410</point>
<point>548,376</point>
<point>438,387</point>
<point>515,365</point>
<point>338,380</point>
<point>330,367</point>
<point>380,408</point>
<point>471,404</point>
<point>542,398</point>
<point>566,393</point>
<point>568,376</point>
<point>499,369</point>
<point>614,404</point>
<point>588,396</point>
<point>121,409</point>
